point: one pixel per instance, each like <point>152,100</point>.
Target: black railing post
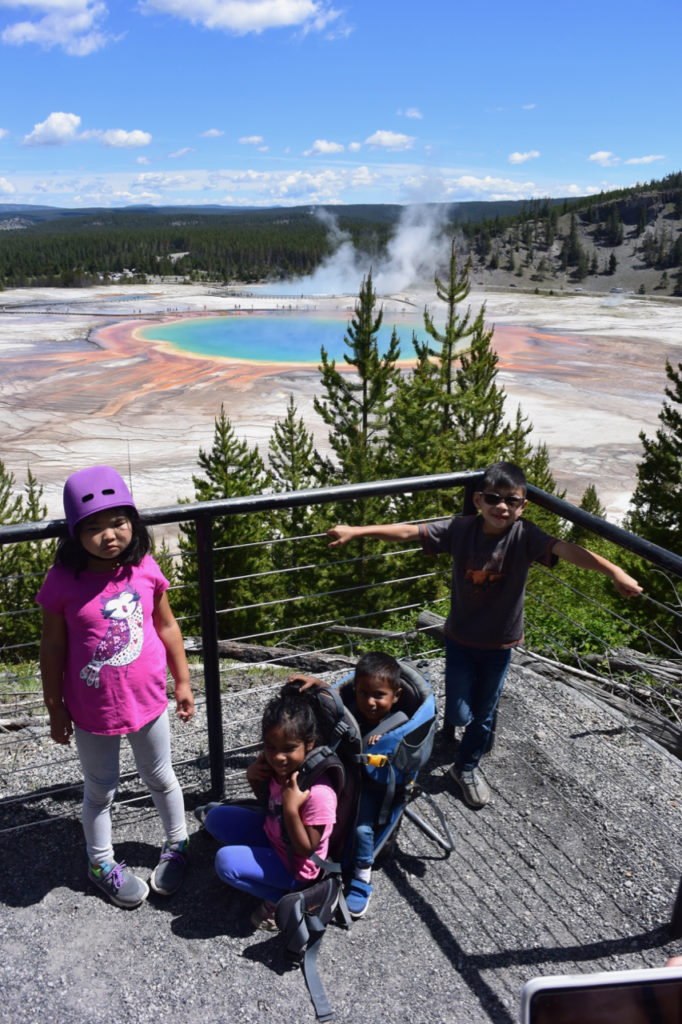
<point>468,507</point>
<point>209,643</point>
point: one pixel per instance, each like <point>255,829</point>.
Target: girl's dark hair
<point>295,711</point>
<point>71,553</point>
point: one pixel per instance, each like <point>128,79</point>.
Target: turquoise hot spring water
<point>276,337</point>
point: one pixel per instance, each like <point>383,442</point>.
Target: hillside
<point>620,241</point>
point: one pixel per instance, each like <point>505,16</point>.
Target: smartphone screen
<point>655,1000</point>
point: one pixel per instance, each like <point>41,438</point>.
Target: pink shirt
<point>319,810</point>
<point>115,673</point>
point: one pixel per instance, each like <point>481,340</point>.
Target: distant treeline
<point>248,247</point>
<point>539,240</point>
<point>67,248</point>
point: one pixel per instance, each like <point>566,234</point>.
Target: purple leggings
<point>247,861</point>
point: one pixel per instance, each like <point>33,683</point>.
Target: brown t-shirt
<point>488,576</point>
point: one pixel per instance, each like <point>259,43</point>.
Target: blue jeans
<point>248,861</point>
<point>370,805</point>
<point>474,677</point>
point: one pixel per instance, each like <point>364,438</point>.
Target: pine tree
<point>22,568</point>
<point>355,404</point>
<point>477,419</point>
<point>292,453</point>
<point>293,467</point>
<point>588,503</point>
<point>656,505</point>
<point>415,443</point>
<point>453,339</point>
<point>241,551</point>
<point>355,408</point>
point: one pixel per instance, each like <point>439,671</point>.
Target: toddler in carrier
<point>372,701</point>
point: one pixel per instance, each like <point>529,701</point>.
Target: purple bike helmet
<point>93,490</point>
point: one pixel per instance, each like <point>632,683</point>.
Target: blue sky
<point>287,102</point>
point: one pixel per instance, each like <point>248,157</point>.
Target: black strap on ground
<point>309,965</point>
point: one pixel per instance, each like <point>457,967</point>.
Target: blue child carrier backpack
<point>393,763</point>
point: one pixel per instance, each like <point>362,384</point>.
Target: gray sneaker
<point>475,789</point>
<point>168,874</point>
<point>121,886</point>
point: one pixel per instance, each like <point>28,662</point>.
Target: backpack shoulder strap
<point>392,721</point>
<point>303,917</point>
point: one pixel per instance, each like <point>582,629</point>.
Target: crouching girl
<point>268,855</point>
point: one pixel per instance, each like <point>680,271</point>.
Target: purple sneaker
<point>121,886</point>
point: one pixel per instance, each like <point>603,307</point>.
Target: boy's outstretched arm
<point>586,559</point>
<point>341,534</point>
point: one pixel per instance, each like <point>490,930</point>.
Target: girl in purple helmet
<point>108,636</point>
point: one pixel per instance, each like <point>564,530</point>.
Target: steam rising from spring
<point>414,252</point>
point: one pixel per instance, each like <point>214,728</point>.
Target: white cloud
<point>120,139</point>
<point>493,188</point>
<point>390,140</point>
<point>322,146</point>
<point>181,152</point>
<point>528,106</point>
<point>362,177</point>
<point>150,179</point>
<point>72,25</point>
<point>6,187</point>
<point>242,16</point>
<point>3,133</point>
<point>251,140</point>
<point>354,146</point>
<point>56,130</point>
<point>644,159</point>
<point>381,181</point>
<point>412,112</point>
<point>520,158</point>
<point>144,160</point>
<point>212,133</point>
<point>122,196</point>
<point>604,158</point>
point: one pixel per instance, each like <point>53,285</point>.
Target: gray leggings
<point>99,757</point>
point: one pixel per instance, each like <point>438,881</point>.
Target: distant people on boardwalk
<point>269,853</point>
<point>491,553</point>
<point>108,636</point>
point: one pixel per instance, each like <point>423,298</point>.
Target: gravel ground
<point>572,867</point>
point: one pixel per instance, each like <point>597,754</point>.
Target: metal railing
<point>204,514</point>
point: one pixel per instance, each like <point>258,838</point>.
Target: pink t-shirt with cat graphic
<point>115,673</point>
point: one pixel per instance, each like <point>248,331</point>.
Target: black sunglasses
<point>510,500</point>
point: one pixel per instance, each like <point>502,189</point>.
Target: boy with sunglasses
<point>491,554</point>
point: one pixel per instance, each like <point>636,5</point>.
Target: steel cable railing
<point>366,607</point>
